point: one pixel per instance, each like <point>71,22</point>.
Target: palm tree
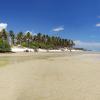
<point>70,44</point>
<point>39,37</point>
<point>20,37</point>
<point>4,34</point>
<point>12,35</point>
<point>28,37</point>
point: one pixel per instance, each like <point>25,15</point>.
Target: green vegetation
<point>42,41</point>
<point>4,44</point>
<point>32,41</point>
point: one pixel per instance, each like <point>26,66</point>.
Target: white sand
<point>23,49</point>
<point>65,77</point>
<point>20,49</point>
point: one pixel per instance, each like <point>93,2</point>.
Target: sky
<point>78,20</point>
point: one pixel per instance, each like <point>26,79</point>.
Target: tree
<point>39,37</point>
<point>4,34</point>
<point>40,40</point>
<point>12,35</point>
<point>28,37</point>
<point>20,37</point>
<point>4,46</point>
<point>70,44</point>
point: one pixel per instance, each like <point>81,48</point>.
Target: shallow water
<point>17,58</point>
<point>5,60</point>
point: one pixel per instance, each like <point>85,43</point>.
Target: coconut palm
<point>70,44</point>
<point>20,37</point>
<point>12,35</point>
<point>28,37</point>
<point>4,34</point>
<point>39,37</point>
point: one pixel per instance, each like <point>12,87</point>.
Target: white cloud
<point>88,45</point>
<point>98,25</point>
<point>58,29</point>
<point>98,16</point>
<point>3,26</point>
<point>34,33</point>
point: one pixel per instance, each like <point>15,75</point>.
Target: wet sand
<point>49,76</point>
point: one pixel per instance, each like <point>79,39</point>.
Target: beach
<point>50,76</point>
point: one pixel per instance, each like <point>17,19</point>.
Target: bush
<point>4,46</point>
<point>24,44</point>
<point>36,45</point>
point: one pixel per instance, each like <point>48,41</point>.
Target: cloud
<point>98,25</point>
<point>58,29</point>
<point>3,26</point>
<point>88,45</point>
<point>98,16</point>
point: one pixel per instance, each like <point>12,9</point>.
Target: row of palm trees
<point>36,41</point>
